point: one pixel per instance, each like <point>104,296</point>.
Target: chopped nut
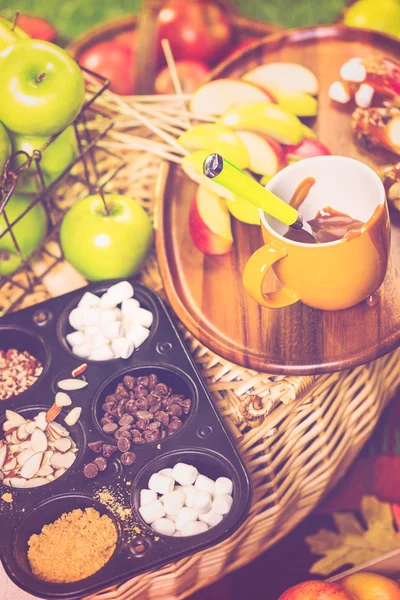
<point>79,370</point>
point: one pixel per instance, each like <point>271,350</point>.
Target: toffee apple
<point>365,586</point>
<point>42,88</point>
<point>266,156</point>
<point>5,146</point>
<point>216,97</point>
<point>37,28</point>
<point>10,33</point>
<point>267,118</point>
<point>287,76</point>
<point>216,138</point>
<point>191,75</point>
<point>316,590</point>
<point>54,159</point>
<point>29,231</point>
<point>209,223</point>
<point>114,61</point>
<point>106,239</point>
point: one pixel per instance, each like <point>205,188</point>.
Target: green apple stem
<point>15,20</point>
<point>101,192</point>
<point>40,77</point>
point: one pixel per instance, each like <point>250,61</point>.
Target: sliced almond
<point>30,427</point>
<point>10,464</point>
<point>17,482</point>
<point>14,418</point>
<point>36,482</point>
<point>39,441</point>
<point>6,481</point>
<point>25,445</point>
<point>63,445</point>
<point>24,456</point>
<point>59,472</point>
<point>50,478</point>
<point>22,434</point>
<point>3,455</point>
<point>15,448</point>
<point>62,399</point>
<point>46,457</point>
<point>70,385</point>
<point>73,416</point>
<point>32,466</point>
<point>40,421</point>
<point>45,470</point>
<point>62,461</point>
<point>58,430</point>
<point>14,438</point>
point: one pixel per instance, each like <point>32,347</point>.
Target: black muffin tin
<point>203,441</point>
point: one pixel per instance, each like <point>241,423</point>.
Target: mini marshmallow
<point>202,502</point>
<point>120,291</point>
<point>97,340</point>
<point>222,504</point>
<point>89,299</point>
<point>173,502</point>
<point>184,474</point>
<point>223,485</point>
<point>75,339</point>
<point>75,317</point>
<point>339,93</point>
<point>106,301</point>
<point>166,472</point>
<point>185,515</point>
<point>129,306</point>
<point>101,353</point>
<point>205,484</point>
<point>172,517</point>
<point>147,496</point>
<point>83,350</point>
<point>193,528</point>
<point>353,70</point>
<point>164,526</point>
<point>91,316</point>
<point>122,347</point>
<point>364,95</point>
<point>161,484</point>
<point>189,491</point>
<point>137,334</point>
<point>211,518</point>
<point>90,330</point>
<point>152,511</point>
<point>108,316</point>
<point>141,316</point>
<point>113,330</point>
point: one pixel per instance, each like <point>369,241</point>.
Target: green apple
<point>243,211</point>
<point>265,117</point>
<point>216,138</point>
<point>5,146</point>
<point>42,88</point>
<point>299,103</point>
<point>29,231</point>
<point>10,33</point>
<point>54,160</point>
<point>106,246</point>
<point>308,132</point>
<point>381,16</point>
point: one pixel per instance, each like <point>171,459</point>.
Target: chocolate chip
<point>129,382</point>
<point>108,450</point>
<point>175,425</point>
<point>175,410</point>
<point>185,405</point>
<point>108,406</point>
<point>153,380</point>
<point>163,434</point>
<point>120,411</point>
<point>101,463</point>
<point>142,403</point>
<point>122,432</point>
<point>126,420</point>
<point>124,444</point>
<point>141,391</point>
<point>138,440</point>
<point>161,389</point>
<point>151,435</point>
<point>128,458</point>
<point>90,470</point>
<point>155,406</point>
<point>177,397</point>
<point>154,425</point>
<point>146,415</point>
<point>107,419</point>
<point>110,427</point>
<point>96,446</point>
<point>135,433</point>
<point>130,407</point>
<point>110,398</point>
<point>163,417</point>
<point>141,424</point>
<point>121,389</point>
<point>143,380</point>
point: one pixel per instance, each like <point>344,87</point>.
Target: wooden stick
<point>173,72</point>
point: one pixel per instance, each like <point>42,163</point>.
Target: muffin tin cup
<point>202,440</point>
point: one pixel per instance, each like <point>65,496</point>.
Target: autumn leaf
<point>352,544</point>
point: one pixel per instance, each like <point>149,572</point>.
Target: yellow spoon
<point>233,179</point>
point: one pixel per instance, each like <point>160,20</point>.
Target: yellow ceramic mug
<point>328,276</point>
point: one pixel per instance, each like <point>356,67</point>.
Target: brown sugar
<point>72,548</point>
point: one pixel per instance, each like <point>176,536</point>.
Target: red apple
<point>209,223</point>
<point>366,586</point>
<point>128,39</point>
<point>37,28</point>
<point>196,30</point>
<point>191,75</point>
<point>266,155</point>
<point>316,590</point>
<point>113,61</point>
<point>308,148</point>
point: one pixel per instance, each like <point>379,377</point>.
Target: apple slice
<point>215,97</point>
<point>209,223</point>
<point>265,117</point>
<point>243,211</point>
<point>308,148</point>
<point>265,154</point>
<point>217,138</point>
<point>284,75</point>
<point>308,132</point>
<point>299,103</point>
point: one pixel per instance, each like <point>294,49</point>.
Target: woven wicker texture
<point>297,435</point>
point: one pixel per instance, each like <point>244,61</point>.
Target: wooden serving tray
<point>207,293</point>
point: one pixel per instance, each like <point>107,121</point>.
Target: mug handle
<point>255,271</point>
